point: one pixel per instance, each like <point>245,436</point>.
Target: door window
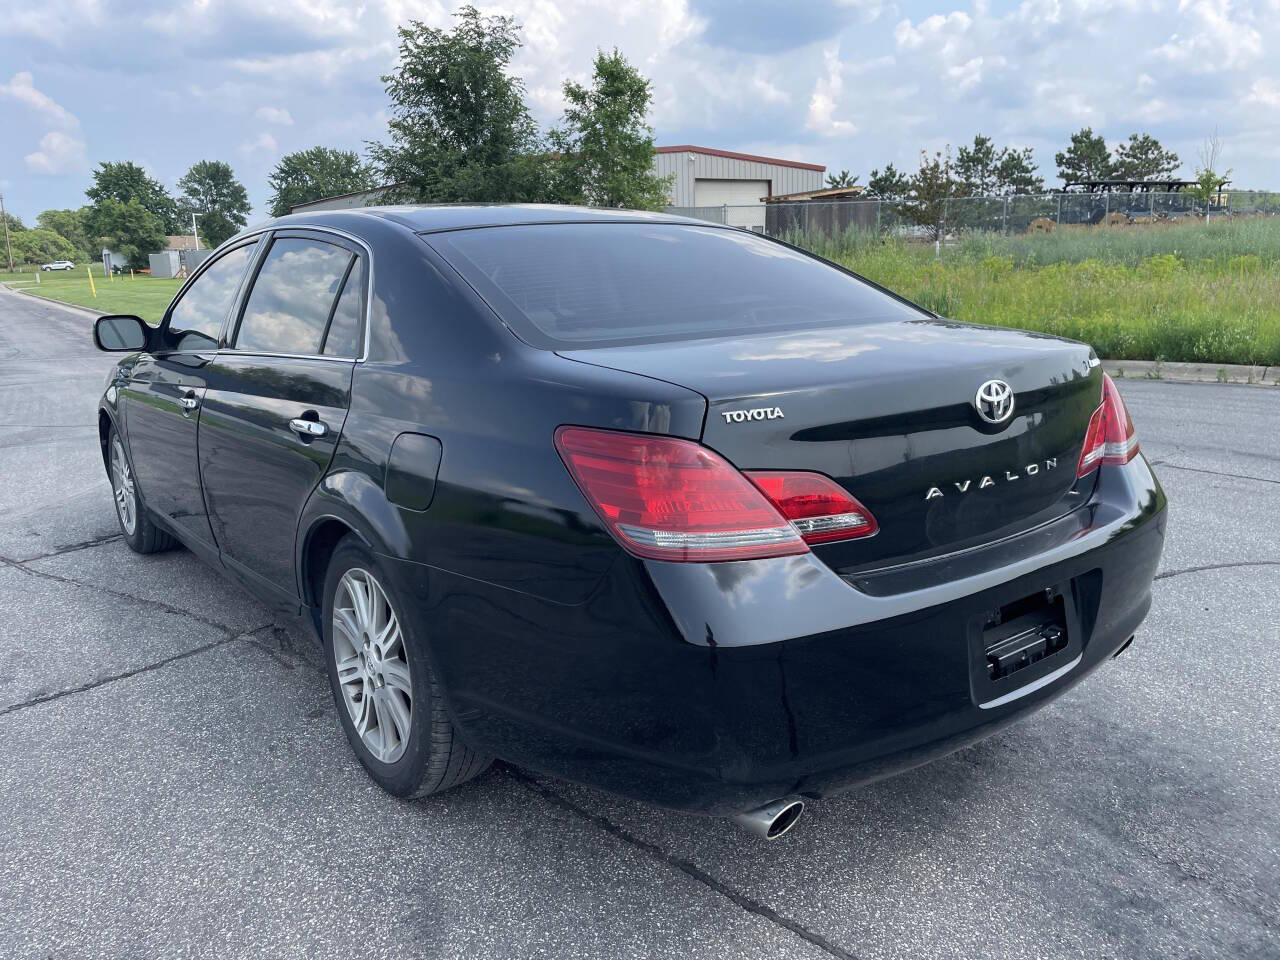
<point>346,329</point>
<point>292,298</point>
<point>195,322</point>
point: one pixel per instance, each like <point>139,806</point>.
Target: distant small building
<point>704,178</point>
<point>166,263</point>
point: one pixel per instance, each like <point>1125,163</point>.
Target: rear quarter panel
<point>505,511</point>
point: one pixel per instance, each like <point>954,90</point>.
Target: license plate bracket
<point>1019,642</point>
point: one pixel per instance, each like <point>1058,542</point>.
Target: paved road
<point>173,781</point>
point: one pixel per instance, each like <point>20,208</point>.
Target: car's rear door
<point>277,397</point>
<point>163,394</point>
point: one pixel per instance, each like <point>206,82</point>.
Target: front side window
<point>292,298</point>
<point>195,322</point>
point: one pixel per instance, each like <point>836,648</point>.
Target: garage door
<point>740,198</point>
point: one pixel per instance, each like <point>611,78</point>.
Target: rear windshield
<point>597,284</point>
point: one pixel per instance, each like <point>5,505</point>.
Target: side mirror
<point>121,332</point>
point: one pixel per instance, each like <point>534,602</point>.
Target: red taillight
<point>671,499</point>
<point>1110,438</point>
<point>817,506</point>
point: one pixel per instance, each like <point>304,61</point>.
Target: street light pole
<point>7,249</point>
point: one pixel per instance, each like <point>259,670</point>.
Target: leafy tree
<point>125,181</point>
<point>71,225</point>
<point>1086,159</point>
<point>603,146</point>
<point>842,179</point>
<point>1209,177</point>
<point>1143,158</point>
<point>315,174</point>
<point>978,167</point>
<point>986,171</point>
<point>129,229</point>
<point>460,129</point>
<point>42,246</point>
<point>889,185</point>
<point>211,191</point>
<point>1017,173</point>
<point>931,187</point>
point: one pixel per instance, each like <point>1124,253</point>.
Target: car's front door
<point>276,401</point>
<point>163,394</point>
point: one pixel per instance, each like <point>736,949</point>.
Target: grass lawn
<point>1208,293</point>
<point>142,296</point>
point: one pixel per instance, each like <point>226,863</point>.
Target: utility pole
<point>193,229</point>
<point>7,249</point>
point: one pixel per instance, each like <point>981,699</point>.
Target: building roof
<point>826,193</point>
<point>750,157</point>
<point>180,241</point>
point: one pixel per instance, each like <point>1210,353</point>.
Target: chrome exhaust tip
<point>773,819</point>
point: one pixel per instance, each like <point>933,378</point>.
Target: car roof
<point>433,218</point>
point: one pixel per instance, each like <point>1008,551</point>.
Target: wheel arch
<point>106,423</point>
<point>333,513</point>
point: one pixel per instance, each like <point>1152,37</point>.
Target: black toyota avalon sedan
<point>662,507</point>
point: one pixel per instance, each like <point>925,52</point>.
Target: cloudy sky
<point>847,83</point>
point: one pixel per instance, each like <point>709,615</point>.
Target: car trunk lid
<point>888,411</point>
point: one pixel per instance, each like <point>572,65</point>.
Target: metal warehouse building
<point>712,184</point>
<point>737,182</point>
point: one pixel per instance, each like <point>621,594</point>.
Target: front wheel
<point>139,532</point>
<point>389,701</point>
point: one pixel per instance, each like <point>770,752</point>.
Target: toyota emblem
<point>994,401</point>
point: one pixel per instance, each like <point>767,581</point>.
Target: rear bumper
<point>716,688</point>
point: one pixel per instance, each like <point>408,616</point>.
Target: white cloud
<point>1213,38</point>
<point>61,150</point>
<point>262,143</point>
<point>23,89</point>
<point>826,96</point>
<point>59,153</point>
<point>934,31</point>
<point>968,75</point>
<point>274,115</point>
<point>1265,92</point>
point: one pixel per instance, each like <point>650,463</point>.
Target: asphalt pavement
<point>174,782</point>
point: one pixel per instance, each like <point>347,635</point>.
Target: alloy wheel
<point>373,667</point>
<point>123,488</point>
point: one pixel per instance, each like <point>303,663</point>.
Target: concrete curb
<point>1258,376</point>
<point>69,307</point>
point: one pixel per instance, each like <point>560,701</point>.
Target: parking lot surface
<point>175,783</point>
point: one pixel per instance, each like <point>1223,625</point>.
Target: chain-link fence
<point>1006,215</point>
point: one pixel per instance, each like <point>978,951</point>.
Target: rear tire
<point>136,526</point>
<point>388,698</point>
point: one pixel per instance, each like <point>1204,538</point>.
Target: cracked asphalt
<point>174,782</point>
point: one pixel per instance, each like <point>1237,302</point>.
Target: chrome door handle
<point>189,403</point>
<point>308,429</point>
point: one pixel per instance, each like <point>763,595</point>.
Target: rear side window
<point>594,284</point>
<point>292,298</point>
<point>346,331</point>
<point>195,322</point>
